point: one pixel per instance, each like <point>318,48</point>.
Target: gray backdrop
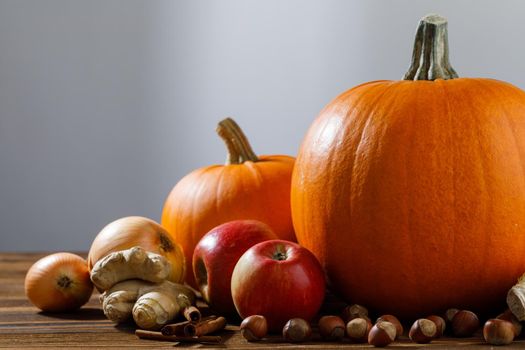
<point>105,105</point>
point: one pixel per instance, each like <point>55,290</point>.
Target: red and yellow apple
<point>279,280</point>
<point>217,253</point>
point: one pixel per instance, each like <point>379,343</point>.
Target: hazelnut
<point>422,331</point>
<point>509,316</point>
<point>392,319</point>
<point>354,311</point>
<point>358,329</point>
<point>464,323</point>
<point>297,330</point>
<point>331,327</point>
<point>254,327</point>
<point>498,332</point>
<point>440,324</point>
<point>450,313</point>
<point>382,334</point>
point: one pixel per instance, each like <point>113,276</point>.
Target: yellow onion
<point>58,282</point>
<point>134,231</point>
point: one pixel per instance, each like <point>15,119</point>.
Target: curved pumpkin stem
<point>239,149</point>
<point>430,56</point>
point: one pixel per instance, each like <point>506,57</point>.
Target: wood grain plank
<point>22,326</point>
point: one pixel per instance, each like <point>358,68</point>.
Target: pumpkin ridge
<point>367,89</point>
<point>345,94</point>
<point>486,172</point>
<point>198,193</point>
<point>370,112</point>
<point>450,121</point>
<point>414,276</point>
<point>488,219</point>
<point>522,162</point>
<point>404,116</point>
<point>218,191</point>
<point>409,274</point>
<point>489,237</point>
<point>462,101</point>
<point>369,116</point>
<point>254,169</point>
<point>511,127</point>
<point>408,199</point>
<point>512,131</point>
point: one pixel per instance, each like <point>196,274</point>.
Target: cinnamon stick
<point>205,327</point>
<point>191,313</point>
<point>142,334</point>
<point>180,327</point>
<point>175,328</point>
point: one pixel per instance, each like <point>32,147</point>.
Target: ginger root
<point>151,305</point>
<point>156,308</point>
<point>516,299</point>
<point>133,263</point>
<point>136,286</point>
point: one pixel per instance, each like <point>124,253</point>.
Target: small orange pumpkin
<point>412,193</point>
<point>246,187</point>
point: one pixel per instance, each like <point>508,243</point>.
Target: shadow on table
<point>126,327</point>
<point>225,335</point>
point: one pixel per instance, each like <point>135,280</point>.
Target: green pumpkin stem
<point>239,149</point>
<point>430,56</point>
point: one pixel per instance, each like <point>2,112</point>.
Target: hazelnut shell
<point>465,323</point>
<point>358,329</point>
<point>297,330</point>
<point>382,334</point>
<point>354,311</point>
<point>395,321</point>
<point>422,331</point>
<point>450,313</point>
<point>498,332</point>
<point>509,316</point>
<point>441,325</point>
<point>331,327</point>
<point>254,328</point>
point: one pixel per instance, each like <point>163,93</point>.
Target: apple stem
<point>280,256</point>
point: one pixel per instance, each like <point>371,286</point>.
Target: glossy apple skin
<point>278,289</point>
<point>217,253</point>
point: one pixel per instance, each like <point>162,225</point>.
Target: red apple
<point>280,280</point>
<point>217,253</point>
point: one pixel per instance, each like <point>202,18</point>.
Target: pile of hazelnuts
<point>355,324</point>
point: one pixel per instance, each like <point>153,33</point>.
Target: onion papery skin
<point>58,282</point>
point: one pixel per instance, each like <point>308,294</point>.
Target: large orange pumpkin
<point>247,187</point>
<point>412,193</point>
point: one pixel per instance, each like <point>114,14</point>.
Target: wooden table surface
<point>23,326</point>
